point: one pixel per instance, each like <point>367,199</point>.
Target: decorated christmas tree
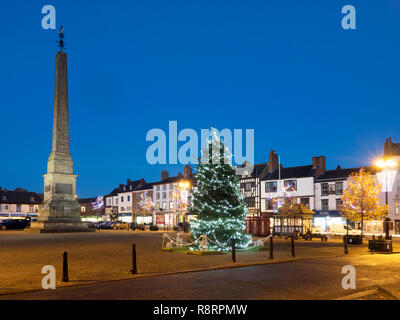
<point>217,201</point>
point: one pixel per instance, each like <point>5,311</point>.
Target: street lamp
<point>183,187</point>
<point>389,173</point>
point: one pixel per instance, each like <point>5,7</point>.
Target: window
<point>270,204</point>
<point>324,204</point>
<point>164,195</point>
<point>158,206</point>
<point>138,195</point>
<point>157,188</point>
<point>83,209</point>
<point>129,198</point>
<point>171,205</point>
<point>157,196</point>
<point>397,206</point>
<point>290,185</point>
<point>18,208</point>
<point>171,193</point>
<point>251,202</point>
<point>305,202</point>
<point>31,208</point>
<point>339,187</point>
<point>339,204</point>
<point>122,209</point>
<point>271,186</point>
<point>324,189</point>
<point>164,187</point>
<point>122,199</point>
<point>164,205</point>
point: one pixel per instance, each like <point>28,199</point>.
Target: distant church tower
<point>60,211</point>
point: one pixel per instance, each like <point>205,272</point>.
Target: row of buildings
<point>265,188</point>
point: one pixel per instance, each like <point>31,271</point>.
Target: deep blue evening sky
<point>285,68</point>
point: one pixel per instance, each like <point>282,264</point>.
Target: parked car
<point>121,225</point>
<point>109,225</point>
<point>135,226</point>
<point>16,224</point>
<point>341,229</point>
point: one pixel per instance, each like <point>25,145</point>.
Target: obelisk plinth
<point>60,211</point>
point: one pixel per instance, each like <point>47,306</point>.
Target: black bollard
<point>293,253</point>
<point>271,248</point>
<point>233,251</point>
<point>65,277</point>
<point>346,250</point>
<point>373,244</point>
<point>134,267</point>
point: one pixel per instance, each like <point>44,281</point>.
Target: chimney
<point>338,167</point>
<point>128,181</point>
<point>273,163</point>
<point>319,163</point>
<point>164,174</point>
<point>187,171</point>
<point>180,175</point>
<point>121,186</point>
<point>142,182</point>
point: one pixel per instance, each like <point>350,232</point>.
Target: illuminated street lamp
<point>386,178</point>
<point>183,187</point>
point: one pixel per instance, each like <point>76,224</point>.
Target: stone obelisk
<point>60,211</point>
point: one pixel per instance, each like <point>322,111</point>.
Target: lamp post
<point>183,187</point>
<point>388,166</point>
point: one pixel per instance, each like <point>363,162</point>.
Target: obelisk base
<point>59,217</point>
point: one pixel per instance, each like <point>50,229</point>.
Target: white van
<point>341,229</point>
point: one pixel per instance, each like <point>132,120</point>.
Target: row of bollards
<point>65,276</point>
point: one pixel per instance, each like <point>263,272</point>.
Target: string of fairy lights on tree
<point>217,201</point>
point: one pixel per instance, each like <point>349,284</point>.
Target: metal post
<point>346,250</point>
<point>373,244</point>
<point>271,248</point>
<point>65,277</point>
<point>134,267</point>
<point>293,253</point>
<point>233,251</point>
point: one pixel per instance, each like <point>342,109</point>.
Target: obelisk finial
<point>60,42</point>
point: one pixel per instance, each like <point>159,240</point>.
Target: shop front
<point>324,219</point>
<point>166,219</point>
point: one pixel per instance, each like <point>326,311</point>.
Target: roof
<point>257,170</point>
<point>290,172</point>
<point>147,186</point>
<point>174,179</point>
<point>87,200</point>
<point>20,197</point>
<point>342,174</point>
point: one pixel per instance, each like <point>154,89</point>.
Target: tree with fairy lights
<point>361,199</point>
<point>216,199</point>
<point>146,203</point>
